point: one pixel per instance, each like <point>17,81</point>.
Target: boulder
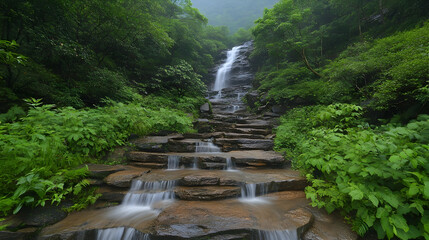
<point>205,108</point>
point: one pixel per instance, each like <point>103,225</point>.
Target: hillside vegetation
<point>352,77</point>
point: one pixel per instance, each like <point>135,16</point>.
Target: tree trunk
<point>307,64</point>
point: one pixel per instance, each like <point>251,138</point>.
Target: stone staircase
<point>222,182</point>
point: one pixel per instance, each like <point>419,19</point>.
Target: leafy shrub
<point>297,124</point>
<point>103,83</point>
<point>181,79</point>
<point>378,176</point>
<point>44,144</point>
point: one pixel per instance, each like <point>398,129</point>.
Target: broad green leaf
<point>413,190</point>
<point>391,199</point>
<point>373,199</point>
<point>400,222</point>
<point>426,190</point>
<point>356,194</point>
<point>387,227</point>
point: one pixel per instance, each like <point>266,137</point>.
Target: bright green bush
<point>40,149</point>
<point>378,176</point>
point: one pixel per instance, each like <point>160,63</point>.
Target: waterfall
<point>230,165</point>
<point>173,162</point>
<point>148,193</point>
<point>206,147</point>
<point>250,191</point>
<point>121,233</point>
<point>195,164</point>
<point>277,235</point>
<point>223,72</point>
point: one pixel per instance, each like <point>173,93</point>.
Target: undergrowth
<point>378,176</point>
<point>42,151</point>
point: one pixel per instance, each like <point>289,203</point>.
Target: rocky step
<point>268,179</point>
<point>234,118</point>
<point>231,144</point>
<point>223,135</point>
<point>226,144</point>
<point>154,143</point>
<point>260,125</point>
<point>284,214</point>
<point>248,131</point>
<point>206,193</point>
<point>251,158</point>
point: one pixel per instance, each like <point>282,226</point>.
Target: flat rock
<point>249,131</point>
<point>264,125</point>
<point>84,224</point>
<point>111,194</point>
<point>274,179</point>
<point>155,143</point>
<point>199,180</point>
<point>231,144</point>
<point>189,219</point>
<point>328,227</point>
<point>207,160</point>
<point>100,171</point>
<point>123,178</point>
<point>36,217</point>
<point>204,135</point>
<point>242,135</point>
<point>185,145</point>
<point>206,193</point>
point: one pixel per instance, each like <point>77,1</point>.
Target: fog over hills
<point>234,14</point>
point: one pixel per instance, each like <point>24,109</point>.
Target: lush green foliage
<point>391,72</point>
<point>80,52</point>
<point>296,41</point>
<point>377,175</point>
<point>37,152</point>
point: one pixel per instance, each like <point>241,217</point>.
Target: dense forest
<point>78,77</point>
<point>351,78</point>
<point>233,14</point>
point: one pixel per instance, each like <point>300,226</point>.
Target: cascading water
<point>250,191</point>
<point>223,72</point>
<point>230,166</point>
<point>147,193</point>
<point>121,233</point>
<point>278,235</point>
<point>195,164</point>
<point>173,162</point>
<point>206,147</point>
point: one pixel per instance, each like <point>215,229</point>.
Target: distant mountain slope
<point>234,14</point>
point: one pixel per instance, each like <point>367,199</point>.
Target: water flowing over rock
<point>121,233</point>
<point>221,182</point>
<point>149,193</point>
<point>173,162</point>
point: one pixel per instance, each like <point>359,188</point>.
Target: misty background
<point>234,14</point>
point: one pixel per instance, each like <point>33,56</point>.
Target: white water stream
<point>206,147</point>
<point>121,233</point>
<point>222,74</point>
<point>173,162</point>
